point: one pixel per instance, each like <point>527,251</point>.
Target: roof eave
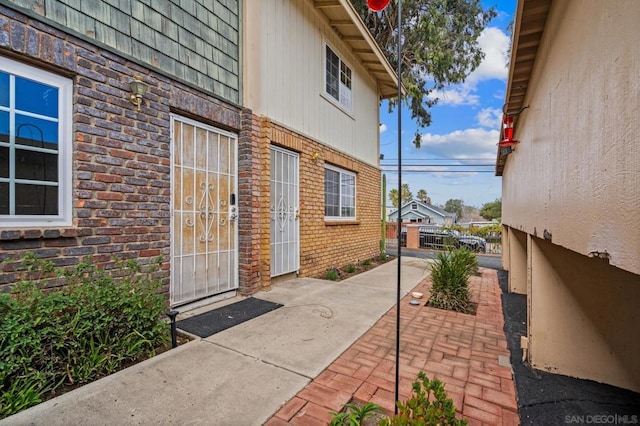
<point>530,20</point>
<point>352,30</point>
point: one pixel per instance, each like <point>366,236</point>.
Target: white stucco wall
<point>576,172</point>
<point>284,80</point>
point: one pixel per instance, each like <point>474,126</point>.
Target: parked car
<point>440,238</point>
<point>472,242</point>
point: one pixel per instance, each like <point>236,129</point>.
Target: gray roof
<point>426,206</point>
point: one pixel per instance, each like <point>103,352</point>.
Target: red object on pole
<point>377,5</point>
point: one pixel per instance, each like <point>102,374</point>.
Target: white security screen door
<point>285,226</point>
<point>204,259</point>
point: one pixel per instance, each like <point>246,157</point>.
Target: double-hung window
<point>339,194</point>
<point>35,146</point>
<point>337,79</point>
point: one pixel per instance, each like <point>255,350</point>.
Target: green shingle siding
<point>193,40</point>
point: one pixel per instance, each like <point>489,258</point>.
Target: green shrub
<point>350,268</point>
<point>428,405</point>
<point>450,273</point>
<point>91,327</point>
<point>465,256</point>
<point>487,231</point>
<point>354,414</point>
<point>332,274</point>
<point>366,262</point>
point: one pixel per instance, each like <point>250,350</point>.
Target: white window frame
<point>65,110</point>
<point>345,94</point>
<point>342,173</point>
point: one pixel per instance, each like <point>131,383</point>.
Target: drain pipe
<point>172,316</point>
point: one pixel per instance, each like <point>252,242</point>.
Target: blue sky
<point>464,130</point>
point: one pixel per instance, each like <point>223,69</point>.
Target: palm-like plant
<point>353,414</point>
<point>450,275</point>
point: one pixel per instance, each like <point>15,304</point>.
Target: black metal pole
<point>174,339</point>
<point>399,203</point>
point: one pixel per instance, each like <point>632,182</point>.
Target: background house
<point>419,212</point>
<point>576,69</point>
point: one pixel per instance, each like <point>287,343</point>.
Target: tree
<point>422,195</point>
<point>454,206</point>
<point>492,210</point>
<point>439,46</point>
<point>406,195</point>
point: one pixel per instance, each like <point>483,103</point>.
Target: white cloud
<point>462,144</point>
<point>383,128</point>
<point>490,117</point>
<point>495,44</point>
<point>458,95</point>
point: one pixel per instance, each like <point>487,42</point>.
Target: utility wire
<point>439,159</point>
<point>439,171</point>
<point>441,165</point>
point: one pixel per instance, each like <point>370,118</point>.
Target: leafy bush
<point>450,274</point>
<point>466,257</point>
<point>350,268</point>
<point>428,405</point>
<point>354,415</point>
<point>332,274</point>
<point>366,262</point>
<point>91,327</point>
<point>490,231</point>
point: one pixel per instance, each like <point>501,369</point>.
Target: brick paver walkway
<point>468,353</point>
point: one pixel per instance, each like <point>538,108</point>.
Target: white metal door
<point>285,226</point>
<point>204,259</point>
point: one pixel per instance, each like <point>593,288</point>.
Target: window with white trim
<point>339,193</point>
<point>35,146</point>
<point>337,78</point>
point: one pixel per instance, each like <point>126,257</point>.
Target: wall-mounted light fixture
<point>314,157</point>
<point>138,90</point>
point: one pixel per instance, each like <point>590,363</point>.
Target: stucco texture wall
<point>584,317</point>
<point>575,176</point>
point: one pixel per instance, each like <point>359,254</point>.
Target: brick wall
<point>121,179</point>
<point>323,244</point>
<point>121,157</point>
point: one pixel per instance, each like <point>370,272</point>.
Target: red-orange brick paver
<point>461,350</point>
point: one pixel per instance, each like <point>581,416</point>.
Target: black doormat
<point>217,320</point>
